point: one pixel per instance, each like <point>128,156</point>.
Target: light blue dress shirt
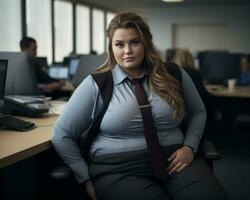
<point>121,129</point>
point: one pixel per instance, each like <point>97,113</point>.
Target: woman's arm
<point>196,117</point>
<point>74,120</point>
<point>195,112</point>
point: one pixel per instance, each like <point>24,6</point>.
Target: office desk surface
<point>221,91</point>
<point>16,145</point>
<point>68,86</point>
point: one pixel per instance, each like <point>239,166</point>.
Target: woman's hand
<point>180,159</point>
<point>90,190</point>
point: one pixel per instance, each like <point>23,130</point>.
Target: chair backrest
<point>86,66</point>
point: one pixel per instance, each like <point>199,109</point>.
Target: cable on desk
<point>46,125</point>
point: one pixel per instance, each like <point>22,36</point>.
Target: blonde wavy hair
<point>184,59</point>
<point>166,86</point>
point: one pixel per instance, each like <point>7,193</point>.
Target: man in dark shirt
<point>48,86</point>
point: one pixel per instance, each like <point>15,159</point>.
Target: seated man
<point>48,86</point>
<point>244,79</point>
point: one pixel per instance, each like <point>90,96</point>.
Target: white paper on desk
<point>57,107</point>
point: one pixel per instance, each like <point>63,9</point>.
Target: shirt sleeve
<point>74,120</point>
<point>195,112</point>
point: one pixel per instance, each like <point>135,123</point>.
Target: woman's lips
<point>129,59</point>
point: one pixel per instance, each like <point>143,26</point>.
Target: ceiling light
<point>171,1</point>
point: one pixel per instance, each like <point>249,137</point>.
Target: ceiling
<point>117,5</point>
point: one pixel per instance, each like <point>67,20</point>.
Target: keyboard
<point>10,122</point>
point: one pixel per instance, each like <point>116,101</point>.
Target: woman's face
<point>128,50</point>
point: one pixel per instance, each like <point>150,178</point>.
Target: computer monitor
<point>21,78</point>
<point>3,74</point>
<point>42,61</point>
<point>73,64</point>
<point>66,60</point>
<point>7,121</point>
<point>87,65</point>
<point>216,67</point>
<point>58,72</point>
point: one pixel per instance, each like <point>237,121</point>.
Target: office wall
<point>237,18</point>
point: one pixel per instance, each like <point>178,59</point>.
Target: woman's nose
<point>127,49</point>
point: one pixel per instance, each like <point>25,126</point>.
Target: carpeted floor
<point>233,169</point>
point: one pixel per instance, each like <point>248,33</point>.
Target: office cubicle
<point>21,79</point>
<point>86,66</point>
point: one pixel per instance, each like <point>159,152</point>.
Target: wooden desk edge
<point>4,162</point>
<point>221,91</point>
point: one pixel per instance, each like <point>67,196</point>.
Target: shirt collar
<point>120,75</point>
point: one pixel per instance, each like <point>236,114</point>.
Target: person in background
<point>184,59</point>
<point>48,85</point>
<point>244,79</point>
<point>120,165</point>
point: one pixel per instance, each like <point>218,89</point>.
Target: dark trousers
<point>128,176</point>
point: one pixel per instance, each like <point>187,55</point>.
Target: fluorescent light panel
<point>171,1</point>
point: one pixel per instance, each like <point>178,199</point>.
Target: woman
<point>120,167</point>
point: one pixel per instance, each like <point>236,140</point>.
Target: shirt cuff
<point>192,143</point>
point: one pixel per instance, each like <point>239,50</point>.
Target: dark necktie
<point>154,148</point>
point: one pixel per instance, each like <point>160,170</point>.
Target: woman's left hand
<point>180,159</point>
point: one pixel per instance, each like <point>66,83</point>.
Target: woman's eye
<point>119,45</point>
<point>136,42</point>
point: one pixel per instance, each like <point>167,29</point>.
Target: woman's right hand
<point>90,190</point>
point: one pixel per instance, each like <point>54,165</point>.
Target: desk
<point>221,91</point>
<point>68,86</point>
<point>229,103</point>
<point>16,145</point>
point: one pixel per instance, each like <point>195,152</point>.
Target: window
<point>98,31</point>
<point>82,29</point>
<point>39,26</point>
<point>63,30</point>
<point>10,22</point>
<point>109,17</point>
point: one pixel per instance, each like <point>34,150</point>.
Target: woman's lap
<point>135,180</point>
<point>128,187</point>
<point>195,182</point>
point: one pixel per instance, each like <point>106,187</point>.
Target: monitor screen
<point>21,78</point>
<point>3,74</point>
<point>58,72</point>
<point>42,61</point>
<point>216,67</point>
<point>73,64</point>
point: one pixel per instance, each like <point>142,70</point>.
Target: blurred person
<point>244,78</point>
<point>48,85</point>
<point>184,59</point>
